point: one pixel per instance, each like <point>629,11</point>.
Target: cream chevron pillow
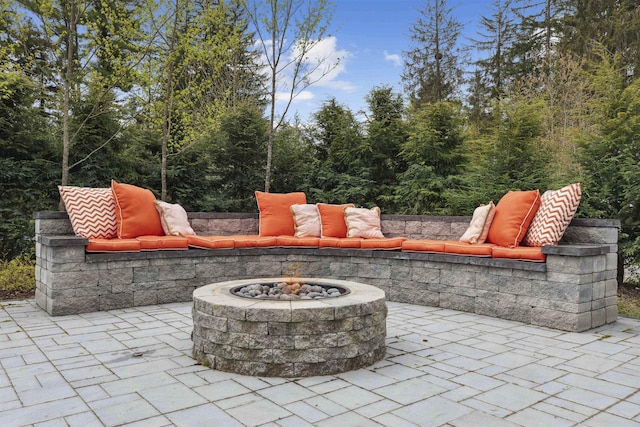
<point>92,211</point>
<point>557,208</point>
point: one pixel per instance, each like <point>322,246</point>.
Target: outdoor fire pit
<point>237,330</point>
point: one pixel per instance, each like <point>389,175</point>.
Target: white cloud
<point>304,95</point>
<point>393,57</point>
<point>324,63</point>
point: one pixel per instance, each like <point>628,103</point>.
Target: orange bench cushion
<point>423,245</point>
<point>211,242</point>
<point>113,245</point>
<point>344,243</point>
<point>290,241</point>
<point>388,243</point>
<point>255,241</point>
<point>524,253</point>
<point>149,243</point>
<point>462,248</point>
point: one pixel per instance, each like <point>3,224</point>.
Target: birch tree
<point>193,45</point>
<point>76,37</point>
<point>289,34</point>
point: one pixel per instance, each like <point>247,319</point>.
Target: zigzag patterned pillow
<point>557,208</point>
<point>92,211</point>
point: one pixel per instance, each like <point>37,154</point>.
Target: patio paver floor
<point>442,368</point>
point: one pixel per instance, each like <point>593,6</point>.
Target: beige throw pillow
<point>306,220</point>
<point>174,219</point>
<point>480,223</point>
<point>363,223</point>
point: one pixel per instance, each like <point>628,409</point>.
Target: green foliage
<point>25,169</point>
<point>236,153</point>
<point>610,155</point>
<point>433,151</point>
<point>516,159</point>
<point>293,159</point>
<point>18,275</point>
<point>386,132</point>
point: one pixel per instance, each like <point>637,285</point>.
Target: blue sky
<point>370,36</point>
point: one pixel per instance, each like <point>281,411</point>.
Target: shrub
<point>17,276</point>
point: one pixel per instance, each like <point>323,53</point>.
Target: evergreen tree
<point>27,165</point>
<point>496,38</point>
<point>386,132</point>
<point>614,24</point>
<point>342,173</point>
<point>609,152</point>
<point>535,37</point>
<point>237,153</point>
<point>435,159</point>
<point>516,160</point>
<point>432,70</point>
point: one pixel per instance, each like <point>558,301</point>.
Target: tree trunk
<point>66,142</point>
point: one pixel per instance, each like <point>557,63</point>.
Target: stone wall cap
<point>577,250</point>
<point>50,215</point>
<point>595,222</point>
<point>62,240</point>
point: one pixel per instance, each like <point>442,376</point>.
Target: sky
<point>370,36</point>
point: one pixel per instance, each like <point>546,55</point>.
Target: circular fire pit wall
<point>288,338</point>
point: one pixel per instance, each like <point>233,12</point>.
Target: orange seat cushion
<point>525,253</point>
<point>211,242</point>
<point>255,241</point>
<point>276,218</point>
<point>514,213</point>
<point>423,245</point>
<point>344,243</point>
<point>136,213</point>
<point>290,241</point>
<point>332,220</point>
<point>388,243</point>
<point>113,245</point>
<point>148,243</point>
<point>462,248</point>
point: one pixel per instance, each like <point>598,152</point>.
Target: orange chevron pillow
<point>557,208</point>
<point>92,211</point>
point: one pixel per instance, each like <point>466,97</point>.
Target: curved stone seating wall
<point>574,290</point>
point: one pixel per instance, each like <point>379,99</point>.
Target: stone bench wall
<point>574,290</point>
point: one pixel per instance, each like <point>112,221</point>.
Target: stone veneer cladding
<point>574,290</point>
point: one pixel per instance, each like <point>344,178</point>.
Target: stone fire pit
<point>288,338</point>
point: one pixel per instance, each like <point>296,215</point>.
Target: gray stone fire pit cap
<point>216,299</point>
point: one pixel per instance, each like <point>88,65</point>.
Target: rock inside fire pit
<point>289,290</point>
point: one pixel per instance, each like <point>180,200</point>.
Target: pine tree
<point>497,38</point>
<point>432,67</point>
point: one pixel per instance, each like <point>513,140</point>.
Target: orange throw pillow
<point>136,213</point>
<point>514,213</point>
<point>276,218</point>
<point>332,220</point>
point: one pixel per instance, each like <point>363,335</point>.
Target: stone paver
<point>442,368</point>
